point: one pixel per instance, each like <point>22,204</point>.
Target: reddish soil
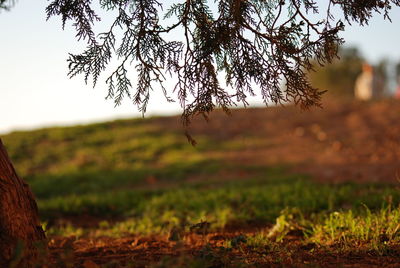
<point>344,141</point>
<point>350,141</point>
<point>138,252</point>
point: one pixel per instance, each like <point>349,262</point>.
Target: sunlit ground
<point>262,187</point>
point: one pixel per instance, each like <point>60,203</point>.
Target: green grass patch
<point>258,200</point>
<point>142,177</point>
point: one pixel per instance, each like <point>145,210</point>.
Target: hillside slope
<point>136,193</point>
<point>343,141</point>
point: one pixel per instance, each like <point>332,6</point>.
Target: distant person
<point>369,84</point>
<point>397,93</point>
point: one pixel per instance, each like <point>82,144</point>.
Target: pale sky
<point>35,90</point>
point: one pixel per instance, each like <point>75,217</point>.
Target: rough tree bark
<point>19,220</point>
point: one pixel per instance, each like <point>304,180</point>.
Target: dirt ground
<point>343,141</point>
<point>161,252</point>
<point>346,141</point>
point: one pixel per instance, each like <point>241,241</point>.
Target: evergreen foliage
<point>250,42</point>
<point>6,4</point>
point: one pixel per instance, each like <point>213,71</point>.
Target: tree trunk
<point>19,220</point>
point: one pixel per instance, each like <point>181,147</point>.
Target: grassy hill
<point>341,133</point>
<point>327,173</point>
